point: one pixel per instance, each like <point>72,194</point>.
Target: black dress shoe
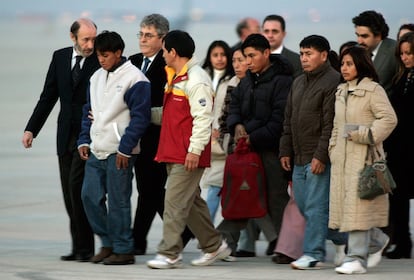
<point>399,253</point>
<point>245,254</point>
<point>271,247</point>
<point>70,257</point>
<point>84,257</point>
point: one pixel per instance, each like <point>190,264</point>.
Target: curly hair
<point>374,21</point>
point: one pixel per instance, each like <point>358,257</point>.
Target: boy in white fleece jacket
<point>119,99</point>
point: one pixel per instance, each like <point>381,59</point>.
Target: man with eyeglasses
<point>151,175</point>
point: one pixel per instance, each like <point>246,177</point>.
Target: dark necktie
<point>146,63</point>
<point>76,71</point>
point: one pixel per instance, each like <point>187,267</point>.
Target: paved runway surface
<point>34,228</point>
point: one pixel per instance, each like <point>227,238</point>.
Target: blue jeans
<point>106,197</point>
<point>311,193</point>
<point>213,200</point>
<point>248,237</point>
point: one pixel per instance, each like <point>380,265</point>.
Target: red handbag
<point>243,194</point>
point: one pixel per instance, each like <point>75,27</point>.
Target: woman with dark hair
<point>399,144</point>
<point>346,45</point>
<point>363,116</point>
<point>220,69</point>
<point>217,62</point>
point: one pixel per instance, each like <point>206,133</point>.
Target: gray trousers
<point>364,242</point>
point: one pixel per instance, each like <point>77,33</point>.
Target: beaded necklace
<point>409,80</point>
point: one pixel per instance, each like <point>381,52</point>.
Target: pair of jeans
<point>311,192</point>
<point>248,237</point>
<point>106,196</point>
<point>213,200</point>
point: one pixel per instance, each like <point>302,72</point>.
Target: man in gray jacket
<point>372,34</point>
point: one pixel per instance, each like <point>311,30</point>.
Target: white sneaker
<point>230,258</point>
<point>208,258</point>
<point>161,262</point>
<point>307,262</point>
<point>354,267</point>
<point>339,254</point>
<point>375,258</point>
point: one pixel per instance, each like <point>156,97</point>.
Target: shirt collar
<point>375,51</point>
<point>74,54</point>
<point>151,58</point>
<point>278,50</point>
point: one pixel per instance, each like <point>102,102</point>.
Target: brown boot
<point>119,259</point>
<point>104,253</point>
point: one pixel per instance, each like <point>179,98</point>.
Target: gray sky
<point>331,18</point>
<point>232,8</point>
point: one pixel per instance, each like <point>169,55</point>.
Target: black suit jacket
<point>58,85</point>
<point>156,74</point>
<point>294,59</point>
<point>158,78</point>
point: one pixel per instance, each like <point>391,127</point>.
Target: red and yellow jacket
<point>186,116</point>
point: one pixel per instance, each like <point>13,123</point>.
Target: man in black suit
<point>71,91</point>
<point>151,175</point>
<point>372,34</point>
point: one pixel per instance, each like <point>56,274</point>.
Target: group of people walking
<point>170,120</point>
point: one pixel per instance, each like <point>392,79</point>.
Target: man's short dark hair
<point>276,18</point>
<point>374,21</point>
<point>256,41</point>
<point>317,42</point>
<point>181,41</point>
<point>109,41</point>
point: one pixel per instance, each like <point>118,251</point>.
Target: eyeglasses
<point>147,35</point>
